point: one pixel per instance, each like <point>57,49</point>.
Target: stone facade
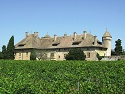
<point>56,48</point>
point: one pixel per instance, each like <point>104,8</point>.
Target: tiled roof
<point>30,41</point>
<point>61,42</point>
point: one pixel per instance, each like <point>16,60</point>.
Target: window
<point>76,43</point>
<point>55,44</point>
<point>20,45</point>
<point>87,48</point>
<point>19,54</point>
<point>88,54</point>
<point>59,56</point>
<point>100,43</point>
<point>52,55</point>
<point>26,54</point>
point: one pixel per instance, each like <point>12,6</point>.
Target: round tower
<point>107,39</point>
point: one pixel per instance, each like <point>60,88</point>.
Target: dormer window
<point>55,44</point>
<point>76,43</point>
<point>21,45</point>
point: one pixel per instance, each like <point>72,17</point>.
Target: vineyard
<point>62,77</point>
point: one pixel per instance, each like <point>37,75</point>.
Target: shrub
<point>75,54</point>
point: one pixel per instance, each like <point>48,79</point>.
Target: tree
<point>99,57</point>
<point>4,52</point>
<point>118,47</point>
<point>10,48</point>
<point>75,54</point>
<point>33,55</point>
<point>123,52</point>
<point>1,56</point>
<point>112,52</point>
<point>41,54</point>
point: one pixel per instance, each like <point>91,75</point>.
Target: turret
<point>107,39</point>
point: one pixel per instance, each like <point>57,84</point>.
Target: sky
<point>61,16</point>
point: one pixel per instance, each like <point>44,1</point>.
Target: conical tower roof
<point>107,34</point>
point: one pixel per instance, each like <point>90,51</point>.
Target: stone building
<point>56,48</point>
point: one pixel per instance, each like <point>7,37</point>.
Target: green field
<point>62,77</point>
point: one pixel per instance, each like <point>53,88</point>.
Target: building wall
<point>101,52</point>
<point>22,55</point>
<point>89,52</point>
<point>59,54</point>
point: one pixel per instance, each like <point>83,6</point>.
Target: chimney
<point>95,40</point>
<point>65,35</point>
<point>85,33</point>
<point>36,34</point>
<point>75,35</point>
<point>55,36</point>
<point>27,34</point>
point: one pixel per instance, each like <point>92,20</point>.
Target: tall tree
<point>118,47</point>
<point>10,48</point>
<point>75,54</point>
<point>4,52</point>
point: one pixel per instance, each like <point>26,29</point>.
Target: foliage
<point>99,57</point>
<point>112,52</point>
<point>1,56</point>
<point>10,48</point>
<point>33,55</point>
<point>62,77</point>
<point>118,47</point>
<point>41,54</point>
<point>4,52</point>
<point>123,52</point>
<point>75,54</point>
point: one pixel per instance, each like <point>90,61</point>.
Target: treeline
<point>8,52</point>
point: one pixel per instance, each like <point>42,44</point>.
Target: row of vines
<point>62,77</point>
